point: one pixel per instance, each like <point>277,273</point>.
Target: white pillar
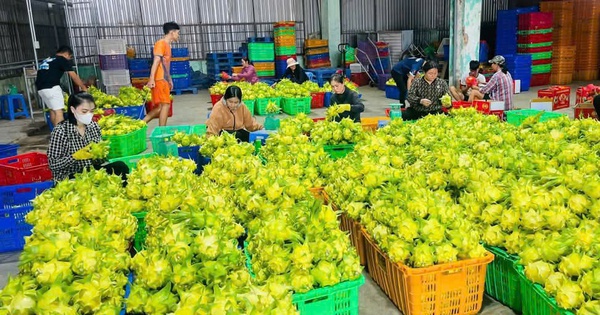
<point>332,28</point>
<point>465,29</point>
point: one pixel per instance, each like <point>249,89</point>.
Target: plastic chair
<point>13,105</point>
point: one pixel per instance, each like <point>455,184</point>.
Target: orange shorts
<point>161,93</point>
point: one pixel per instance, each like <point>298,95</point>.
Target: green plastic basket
<point>132,161</point>
<point>541,55</point>
<point>272,123</point>
<point>502,280</point>
<point>532,32</point>
<point>160,137</point>
<point>266,73</point>
<point>535,299</point>
<point>285,32</point>
<point>261,104</point>
<point>338,151</point>
<point>535,45</point>
<point>516,117</point>
<point>139,239</point>
<point>339,299</point>
<point>295,106</point>
<point>285,50</point>
<point>537,69</point>
<point>250,105</point>
<point>129,144</point>
<point>261,51</point>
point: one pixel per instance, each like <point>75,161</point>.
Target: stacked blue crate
<point>180,68</point>
<point>506,30</point>
<point>222,62</point>
<point>519,66</point>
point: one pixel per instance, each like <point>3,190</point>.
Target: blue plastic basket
<point>144,73</point>
<point>180,67</point>
<point>181,83</point>
<point>13,228</point>
<point>392,91</point>
<point>193,153</point>
<point>8,150</point>
<point>136,112</point>
<point>139,64</point>
<point>180,52</point>
<point>22,194</point>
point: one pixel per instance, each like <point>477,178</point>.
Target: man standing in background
<point>160,80</point>
<point>47,82</point>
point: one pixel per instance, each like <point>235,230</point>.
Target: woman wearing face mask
<point>231,115</point>
<point>72,135</point>
<point>425,93</point>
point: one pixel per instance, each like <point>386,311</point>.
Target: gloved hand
<point>83,154</point>
<point>343,108</point>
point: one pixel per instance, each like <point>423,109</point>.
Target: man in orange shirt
<point>160,80</point>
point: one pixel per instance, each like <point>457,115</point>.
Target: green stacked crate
<point>285,39</point>
<point>261,52</point>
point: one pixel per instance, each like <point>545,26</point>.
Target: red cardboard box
<point>586,94</point>
<point>499,113</point>
<point>482,106</point>
<point>585,110</point>
<point>560,95</point>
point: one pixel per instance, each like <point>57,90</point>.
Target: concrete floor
<point>193,109</point>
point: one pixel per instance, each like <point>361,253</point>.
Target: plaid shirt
<point>66,140</point>
<point>500,88</point>
<point>421,89</point>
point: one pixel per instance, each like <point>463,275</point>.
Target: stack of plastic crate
<point>139,72</point>
<point>113,64</point>
<point>563,54</point>
<point>262,55</point>
<point>519,66</point>
<point>317,53</point>
<point>506,32</point>
<point>228,62</point>
<point>586,33</point>
<point>285,46</point>
<point>535,38</point>
<point>383,64</point>
<point>181,72</point>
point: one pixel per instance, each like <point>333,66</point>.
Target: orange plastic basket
<point>561,78</point>
<point>354,228</point>
<point>371,123</point>
<point>310,43</point>
<point>446,289</point>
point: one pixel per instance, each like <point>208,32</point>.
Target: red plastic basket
<point>540,79</point>
<point>531,50</point>
<point>534,38</point>
<point>107,112</point>
<point>535,21</point>
<point>24,169</point>
<point>541,62</point>
<point>214,98</point>
<point>318,100</point>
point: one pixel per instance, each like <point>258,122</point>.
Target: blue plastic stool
<point>10,103</point>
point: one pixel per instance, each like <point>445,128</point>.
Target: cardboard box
<point>560,95</point>
<point>496,105</point>
<point>546,104</point>
<point>585,94</point>
<point>517,86</point>
<point>482,106</point>
<point>499,113</point>
<point>585,110</point>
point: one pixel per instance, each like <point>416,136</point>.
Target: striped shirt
<point>500,88</point>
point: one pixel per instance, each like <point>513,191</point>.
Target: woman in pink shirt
<point>500,87</point>
<point>248,72</point>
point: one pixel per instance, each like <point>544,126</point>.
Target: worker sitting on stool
<point>474,78</point>
<point>403,73</point>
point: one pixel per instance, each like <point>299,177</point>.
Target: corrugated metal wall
<point>206,26</point>
<point>15,36</point>
<point>428,18</point>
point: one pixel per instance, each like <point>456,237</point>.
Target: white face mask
<point>85,119</point>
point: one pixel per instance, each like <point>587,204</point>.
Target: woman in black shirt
<point>351,105</point>
<point>294,72</point>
